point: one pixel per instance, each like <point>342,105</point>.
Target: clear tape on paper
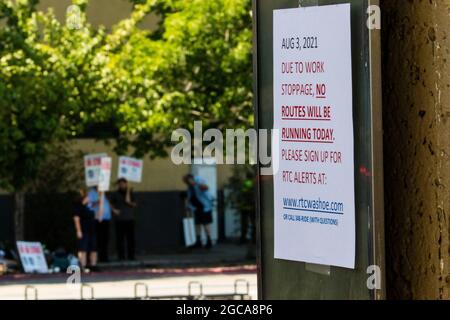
<point>319,269</point>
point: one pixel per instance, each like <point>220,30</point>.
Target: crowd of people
<point>94,212</point>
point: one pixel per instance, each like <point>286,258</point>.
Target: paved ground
<point>121,285</point>
<point>222,254</point>
<point>164,274</point>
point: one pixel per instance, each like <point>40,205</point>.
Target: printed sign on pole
<point>32,257</point>
<point>314,188</point>
<point>105,174</point>
<point>92,168</point>
<point>130,169</point>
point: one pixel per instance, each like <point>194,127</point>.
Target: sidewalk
<point>227,254</point>
<point>125,288</point>
<point>220,260</point>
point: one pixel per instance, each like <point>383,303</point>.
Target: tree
<point>195,66</point>
<point>53,81</point>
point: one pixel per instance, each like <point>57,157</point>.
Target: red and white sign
<point>130,169</point>
<point>314,188</point>
<point>32,257</point>
<point>105,174</point>
<point>92,164</point>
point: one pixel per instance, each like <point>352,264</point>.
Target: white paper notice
<point>314,186</point>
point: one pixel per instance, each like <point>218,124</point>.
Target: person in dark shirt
<point>84,220</point>
<point>123,206</point>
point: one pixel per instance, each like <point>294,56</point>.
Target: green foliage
<point>53,81</point>
<point>56,82</point>
<point>195,66</point>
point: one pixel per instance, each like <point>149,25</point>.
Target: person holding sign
<point>84,220</point>
<point>98,202</point>
<point>123,206</point>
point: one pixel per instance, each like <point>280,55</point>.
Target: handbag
<point>189,231</point>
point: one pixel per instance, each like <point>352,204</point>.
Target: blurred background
<point>118,77</point>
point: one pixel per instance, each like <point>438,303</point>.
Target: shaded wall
<point>100,12</point>
<point>159,221</point>
<point>159,174</point>
<point>49,219</point>
<point>416,105</point>
<point>6,219</point>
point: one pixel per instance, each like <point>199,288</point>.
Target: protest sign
<point>105,174</point>
<point>32,257</point>
<point>130,169</point>
<point>92,168</point>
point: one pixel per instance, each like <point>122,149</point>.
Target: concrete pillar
<point>416,103</point>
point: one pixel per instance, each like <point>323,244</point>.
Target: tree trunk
<point>416,104</point>
<point>19,215</point>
